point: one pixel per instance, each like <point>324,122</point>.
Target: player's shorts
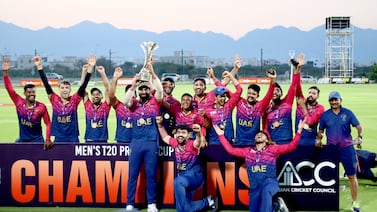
<point>349,160</point>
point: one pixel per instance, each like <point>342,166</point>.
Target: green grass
<point>361,99</point>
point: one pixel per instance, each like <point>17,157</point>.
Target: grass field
<point>360,98</point>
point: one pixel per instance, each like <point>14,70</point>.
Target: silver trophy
<point>148,48</point>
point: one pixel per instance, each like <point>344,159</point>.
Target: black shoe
<point>294,63</point>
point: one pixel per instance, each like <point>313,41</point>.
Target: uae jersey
<point>96,121</point>
<point>143,116</point>
<point>207,100</point>
<point>260,164</point>
<point>64,118</point>
<point>223,117</point>
<point>186,158</point>
<point>123,123</point>
<point>338,126</point>
<point>248,117</point>
<point>188,118</point>
<point>29,119</point>
<point>278,119</point>
<point>168,119</point>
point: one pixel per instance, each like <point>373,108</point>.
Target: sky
<point>231,17</point>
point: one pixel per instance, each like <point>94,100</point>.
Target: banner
<point>38,82</point>
<point>96,175</point>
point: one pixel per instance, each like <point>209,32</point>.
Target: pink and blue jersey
<point>168,119</point>
<point>278,120</point>
<point>206,101</point>
<point>223,117</point>
<point>338,126</point>
<point>144,126</point>
<point>64,118</point>
<point>123,132</point>
<point>29,119</point>
<point>248,117</point>
<point>190,118</point>
<point>309,134</point>
<point>96,122</point>
<point>260,164</point>
<point>187,158</point>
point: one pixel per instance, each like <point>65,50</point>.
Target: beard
<point>310,101</point>
<point>144,97</point>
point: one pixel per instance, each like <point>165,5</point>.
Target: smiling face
<point>64,90</point>
<point>182,135</point>
<point>312,96</point>
<point>144,93</point>
<point>277,94</point>
<point>261,138</point>
<point>252,95</point>
<point>199,87</point>
<point>186,102</point>
<point>335,103</point>
<point>168,87</point>
<point>96,97</point>
<point>30,95</point>
<point>221,99</point>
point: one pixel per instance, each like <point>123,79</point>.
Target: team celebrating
<point>148,114</point>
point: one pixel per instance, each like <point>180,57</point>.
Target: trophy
<point>148,48</point>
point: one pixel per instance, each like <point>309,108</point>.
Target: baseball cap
<point>144,84</point>
<point>334,95</point>
<point>168,79</point>
<point>220,91</point>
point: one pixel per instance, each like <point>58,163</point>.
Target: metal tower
<point>339,48</point>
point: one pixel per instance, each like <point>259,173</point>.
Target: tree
<point>373,72</point>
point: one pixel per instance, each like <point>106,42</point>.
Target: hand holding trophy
<point>148,48</point>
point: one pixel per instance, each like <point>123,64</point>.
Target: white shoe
<point>152,208</point>
<point>130,208</point>
<point>282,206</point>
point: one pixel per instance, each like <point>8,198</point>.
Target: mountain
<point>88,37</point>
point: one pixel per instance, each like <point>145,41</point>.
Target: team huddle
<point>149,113</point>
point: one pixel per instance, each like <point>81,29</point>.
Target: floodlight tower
<point>339,48</point>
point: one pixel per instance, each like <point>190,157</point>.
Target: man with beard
<point>29,111</point>
<point>168,102</point>
<point>277,120</point>
<point>337,121</point>
<point>97,112</point>
<point>307,108</point>
<point>190,176</point>
<point>261,168</point>
<point>64,107</point>
<point>144,141</point>
<point>221,111</point>
<point>250,111</point>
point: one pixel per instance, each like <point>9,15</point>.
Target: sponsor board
<point>96,175</point>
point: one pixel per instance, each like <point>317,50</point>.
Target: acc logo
<point>289,175</point>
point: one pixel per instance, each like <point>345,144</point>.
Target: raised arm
<point>38,64</point>
<point>7,82</point>
<point>91,63</point>
<point>131,92</point>
<point>238,152</point>
<point>117,74</point>
<point>270,92</point>
<point>164,135</point>
<point>106,83</point>
<point>234,71</point>
<point>159,95</point>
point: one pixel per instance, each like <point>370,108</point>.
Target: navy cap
<point>220,91</point>
<point>334,95</point>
